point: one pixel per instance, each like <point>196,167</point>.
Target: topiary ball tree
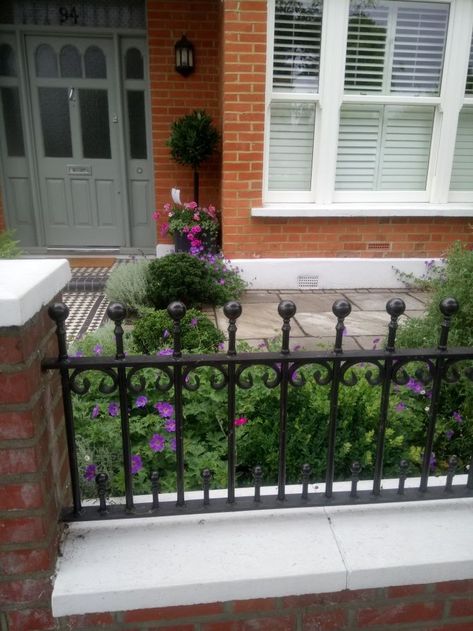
<point>193,139</point>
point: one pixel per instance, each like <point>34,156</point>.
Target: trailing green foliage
<point>127,284</point>
<point>153,332</point>
<point>8,246</point>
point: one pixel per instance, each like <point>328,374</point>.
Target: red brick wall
<point>173,96</point>
<point>244,52</point>
<point>437,607</point>
<point>33,474</point>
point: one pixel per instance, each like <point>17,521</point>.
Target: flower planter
<point>183,244</point>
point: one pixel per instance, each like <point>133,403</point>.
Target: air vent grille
<point>379,245</point>
<point>308,281</point>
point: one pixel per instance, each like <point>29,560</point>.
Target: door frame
<point>20,33</point>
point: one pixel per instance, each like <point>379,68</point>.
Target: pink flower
<point>211,211</point>
<point>196,229</point>
<point>192,205</point>
<point>156,215</point>
<point>164,229</point>
<point>167,207</point>
<point>240,421</point>
<point>196,217</point>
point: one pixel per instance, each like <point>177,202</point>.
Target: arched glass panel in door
<point>46,61</point>
<point>134,64</point>
<point>95,63</point>
<point>70,62</point>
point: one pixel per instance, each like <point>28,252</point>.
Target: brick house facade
<point>234,46</point>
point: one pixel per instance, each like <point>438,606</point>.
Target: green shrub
<point>178,276</point>
<point>153,332</point>
<point>8,246</point>
<point>100,342</point>
<point>128,284</point>
<point>193,139</point>
<point>452,281</point>
<point>194,280</point>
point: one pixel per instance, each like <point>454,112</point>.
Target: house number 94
<point>68,15</point>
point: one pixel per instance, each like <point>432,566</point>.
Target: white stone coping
<point>363,209</point>
<point>28,284</point>
<point>120,565</point>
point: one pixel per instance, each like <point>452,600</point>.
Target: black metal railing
<point>387,368</point>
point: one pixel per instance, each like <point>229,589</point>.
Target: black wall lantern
<point>184,57</point>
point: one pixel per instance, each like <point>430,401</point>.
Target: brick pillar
<point>33,454</point>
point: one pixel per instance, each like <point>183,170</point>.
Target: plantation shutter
<point>469,78</point>
<point>296,53</point>
<point>419,48</point>
<point>462,173</point>
<point>291,143</point>
<point>366,48</point>
<point>384,147</point>
<point>395,48</point>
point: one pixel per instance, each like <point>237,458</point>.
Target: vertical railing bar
<point>452,467</point>
<point>155,490</point>
<point>403,467</point>
<point>206,477</point>
<point>117,312</point>
<point>286,310</point>
<point>341,309</point>
<point>448,307</point>
<point>177,311</point>
<point>395,307</point>
<point>469,481</point>
<point>258,476</point>
<point>58,312</point>
<point>232,311</point>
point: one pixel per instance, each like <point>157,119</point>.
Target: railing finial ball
<point>449,306</point>
<point>177,310</point>
<point>116,311</point>
<point>341,308</point>
<point>232,310</point>
<point>395,307</point>
<point>58,311</point>
<point>286,309</point>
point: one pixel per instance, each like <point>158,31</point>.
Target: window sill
<point>359,209</point>
<point>130,564</point>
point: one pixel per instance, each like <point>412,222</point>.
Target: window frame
<point>331,97</point>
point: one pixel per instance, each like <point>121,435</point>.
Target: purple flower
<point>157,442</point>
<point>345,331</point>
<point>170,425</point>
<point>172,444</point>
<point>164,352</point>
<point>136,463</point>
<point>79,353</point>
<point>400,407</point>
<point>98,349</point>
<point>414,386</point>
<point>164,409</point>
<point>457,417</point>
<point>95,411</point>
<point>166,334</point>
<point>375,342</point>
<point>141,401</point>
<point>297,347</point>
<point>90,472</point>
<point>221,346</point>
<point>194,322</point>
<point>221,281</point>
<point>432,461</point>
<point>113,409</point>
<point>449,433</point>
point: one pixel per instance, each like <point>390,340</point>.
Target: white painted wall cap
<point>28,284</point>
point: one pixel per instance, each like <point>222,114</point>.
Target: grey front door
<point>74,104</point>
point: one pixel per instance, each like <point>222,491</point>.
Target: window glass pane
<point>55,122</point>
<point>7,61</point>
<point>137,124</point>
<point>94,123</point>
<point>95,64</point>
<point>462,173</point>
<point>291,143</point>
<point>134,64</point>
<point>412,64</point>
<point>12,118</point>
<point>46,61</point>
<point>297,34</point>
<point>469,78</point>
<point>384,147</point>
<point>70,62</point>
<point>366,48</point>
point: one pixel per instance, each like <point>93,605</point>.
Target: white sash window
<point>366,102</point>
